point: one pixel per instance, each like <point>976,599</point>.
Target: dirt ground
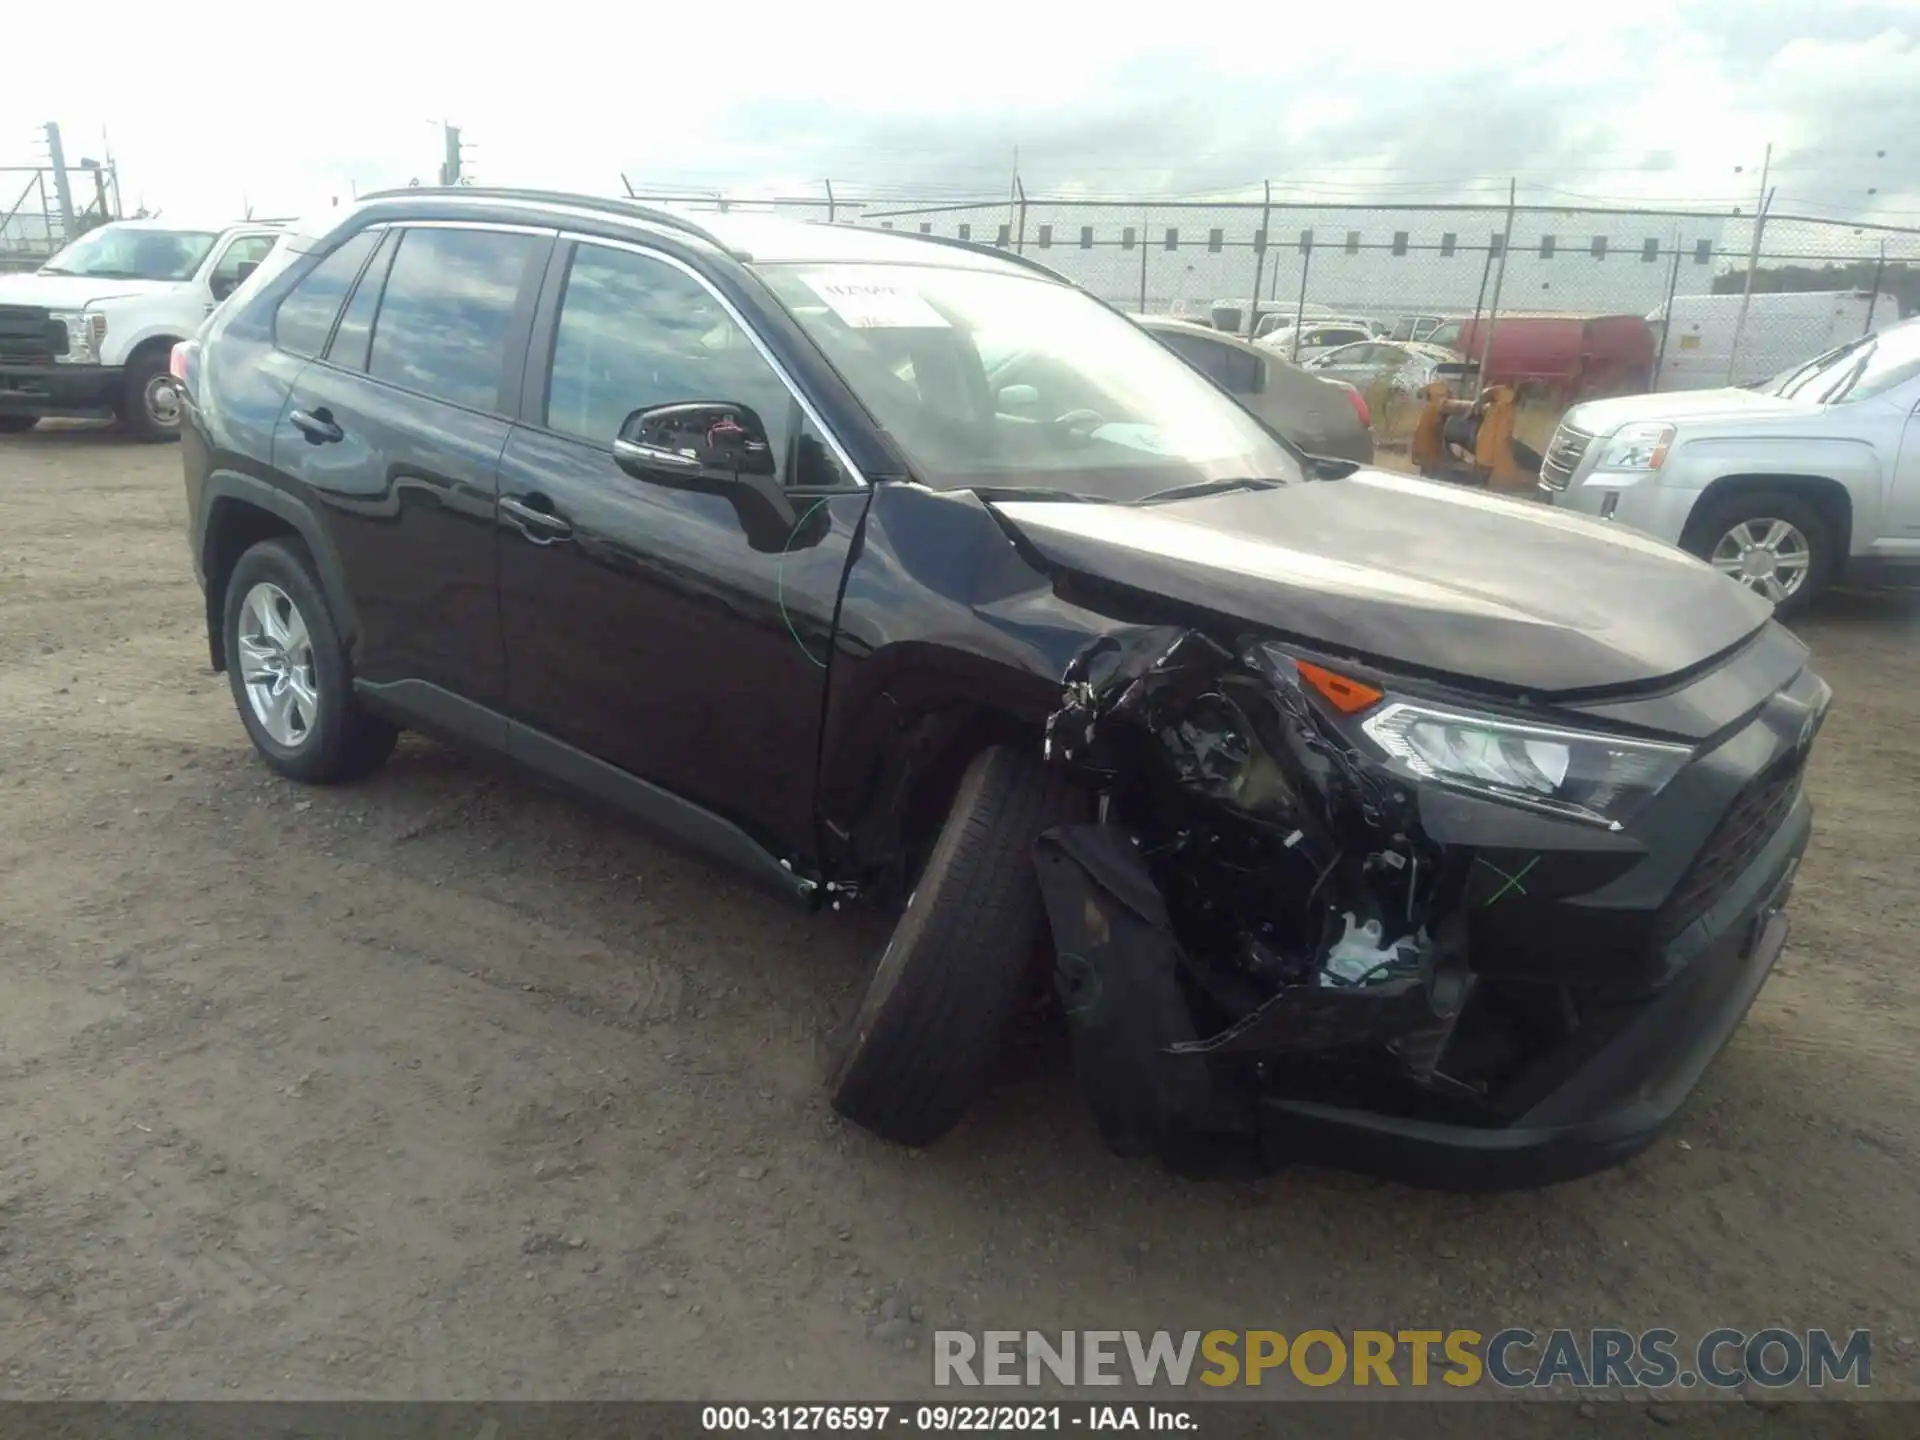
<point>439,1085</point>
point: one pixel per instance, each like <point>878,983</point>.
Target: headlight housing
<point>1637,447</point>
<point>1602,779</point>
<point>85,330</point>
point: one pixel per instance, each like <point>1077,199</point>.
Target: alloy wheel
<point>1770,557</point>
<point>276,664</point>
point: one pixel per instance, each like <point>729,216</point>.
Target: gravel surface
<point>440,1085</point>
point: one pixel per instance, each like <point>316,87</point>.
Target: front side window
<point>1447,337</point>
<point>1079,401</point>
<point>134,252</point>
<point>635,332</point>
<point>306,314</point>
<point>247,250</point>
<point>446,312</point>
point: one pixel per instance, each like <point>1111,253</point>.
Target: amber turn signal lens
<point>1349,697</point>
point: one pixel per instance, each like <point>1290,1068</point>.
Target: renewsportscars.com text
<point>1513,1358</point>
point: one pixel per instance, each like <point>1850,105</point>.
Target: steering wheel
<point>1081,422</point>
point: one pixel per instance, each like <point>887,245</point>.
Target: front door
<point>668,631</point>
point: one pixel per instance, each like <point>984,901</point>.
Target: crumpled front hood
<point>1429,576</point>
<point>72,292</point>
<point>1603,417</point>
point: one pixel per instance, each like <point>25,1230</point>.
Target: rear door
<point>396,429</point>
<point>674,634</point>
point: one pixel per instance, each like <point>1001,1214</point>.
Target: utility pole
<point>63,193</point>
<point>450,165</point>
<point>1499,279</point>
<point>1753,262</point>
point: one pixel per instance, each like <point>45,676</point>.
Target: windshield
<point>989,380</point>
<point>1859,370</point>
<point>120,252</point>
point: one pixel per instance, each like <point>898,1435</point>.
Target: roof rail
<point>632,209</point>
<point>980,247</point>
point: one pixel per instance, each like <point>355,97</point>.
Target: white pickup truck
<point>89,333</point>
<point>1790,485</point>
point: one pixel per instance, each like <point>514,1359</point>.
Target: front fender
<point>947,637</point>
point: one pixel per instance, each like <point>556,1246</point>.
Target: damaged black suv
<point>1352,817</point>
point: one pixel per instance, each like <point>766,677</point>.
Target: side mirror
<point>222,286</point>
<point>717,446</point>
<point>1013,399</point>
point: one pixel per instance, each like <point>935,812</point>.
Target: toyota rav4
<point>1350,817</point>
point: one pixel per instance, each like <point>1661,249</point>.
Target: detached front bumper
<point>78,392</point>
<point>1616,1101</point>
<point>1618,1082</point>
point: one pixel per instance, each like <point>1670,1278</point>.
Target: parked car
<point>1401,368</point>
<point>1568,357</point>
<point>1805,480</point>
<point>1781,330</point>
<point>88,333</point>
<point>1364,818</point>
<point>1416,327</point>
<point>1316,338</point>
<point>1286,322</point>
<point>1322,417</point>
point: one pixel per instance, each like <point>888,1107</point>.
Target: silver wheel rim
<point>276,665</point>
<point>163,402</point>
<point>1770,557</point>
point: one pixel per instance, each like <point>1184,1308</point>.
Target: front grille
<point>1742,833</point>
<point>1564,453</point>
<point>29,336</point>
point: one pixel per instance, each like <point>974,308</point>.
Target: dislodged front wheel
<point>1767,555</point>
<point>962,956</point>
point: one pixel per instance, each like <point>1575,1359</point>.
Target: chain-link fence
<point>38,215</point>
<point>1571,301</point>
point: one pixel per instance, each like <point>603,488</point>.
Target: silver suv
<point>1788,486</point>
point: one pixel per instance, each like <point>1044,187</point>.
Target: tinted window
<point>1235,369</point>
<point>306,315</point>
<point>355,331</point>
<point>446,311</point>
<point>635,331</point>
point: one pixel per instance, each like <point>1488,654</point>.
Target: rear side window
<point>447,310</point>
<point>305,317</point>
<point>355,332</point>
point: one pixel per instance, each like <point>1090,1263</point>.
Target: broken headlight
<point>1599,778</point>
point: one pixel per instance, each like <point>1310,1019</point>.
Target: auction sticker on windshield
<point>868,304</point>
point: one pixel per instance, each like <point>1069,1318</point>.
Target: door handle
<point>542,527</point>
<point>317,426</point>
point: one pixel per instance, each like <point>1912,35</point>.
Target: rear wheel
<point>1771,541</point>
<point>17,424</point>
<point>150,406</point>
<point>288,671</point>
<point>941,996</point>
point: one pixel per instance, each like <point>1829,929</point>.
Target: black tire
<point>961,958</point>
<point>1716,520</point>
<point>141,413</point>
<point>340,740</point>
<point>17,424</point>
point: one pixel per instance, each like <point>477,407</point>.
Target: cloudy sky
<point>211,107</point>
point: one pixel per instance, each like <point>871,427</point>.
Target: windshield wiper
<point>55,270</point>
<point>1014,493</point>
<point>1208,487</point>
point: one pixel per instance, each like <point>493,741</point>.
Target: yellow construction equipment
<point>1470,442</point>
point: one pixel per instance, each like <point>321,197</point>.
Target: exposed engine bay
<point>1258,911</point>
